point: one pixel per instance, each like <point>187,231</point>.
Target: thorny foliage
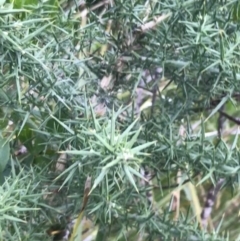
<point>115,87</point>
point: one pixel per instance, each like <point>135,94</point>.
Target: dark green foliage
<point>53,63</point>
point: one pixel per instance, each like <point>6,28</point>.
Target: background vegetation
<point>93,93</point>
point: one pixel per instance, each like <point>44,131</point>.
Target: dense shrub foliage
<point>139,96</point>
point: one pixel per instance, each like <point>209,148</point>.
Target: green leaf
<point>11,218</point>
<point>137,149</point>
<point>112,163</point>
<point>104,142</point>
<point>134,139</point>
<point>99,179</point>
<point>4,153</point>
<point>95,121</point>
<point>129,176</point>
<point>24,122</point>
<point>127,131</point>
<point>112,141</point>
<point>218,107</point>
<point>63,125</point>
<point>236,12</point>
<point>136,173</point>
<point>70,170</point>
<point>81,152</point>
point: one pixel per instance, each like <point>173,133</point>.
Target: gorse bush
<point>132,95</point>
